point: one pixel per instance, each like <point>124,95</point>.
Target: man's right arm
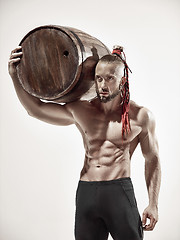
<point>48,112</point>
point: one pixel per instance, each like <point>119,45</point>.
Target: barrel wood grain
<point>58,63</point>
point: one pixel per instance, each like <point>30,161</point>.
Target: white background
<point>40,163</point>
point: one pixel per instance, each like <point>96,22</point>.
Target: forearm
<point>30,103</point>
<point>153,179</point>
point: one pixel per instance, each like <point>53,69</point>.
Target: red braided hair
<point>126,128</point>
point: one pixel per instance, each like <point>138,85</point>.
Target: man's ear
<point>123,81</point>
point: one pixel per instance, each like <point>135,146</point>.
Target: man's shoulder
<point>143,115</point>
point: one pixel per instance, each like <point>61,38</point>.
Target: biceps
<point>54,114</point>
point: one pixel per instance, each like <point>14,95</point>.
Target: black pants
<point>104,207</point>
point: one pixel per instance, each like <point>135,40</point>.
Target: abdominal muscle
<point>105,162</point>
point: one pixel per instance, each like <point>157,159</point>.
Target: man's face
<point>107,79</point>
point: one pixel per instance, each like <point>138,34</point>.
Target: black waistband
<point>105,181</point>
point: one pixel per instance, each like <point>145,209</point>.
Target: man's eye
<point>110,78</point>
<point>98,78</point>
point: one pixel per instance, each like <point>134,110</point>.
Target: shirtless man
<point>105,200</point>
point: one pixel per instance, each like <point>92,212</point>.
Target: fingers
<point>144,218</point>
<point>16,52</point>
<point>16,49</point>
<point>14,59</point>
<point>14,55</point>
<point>151,225</point>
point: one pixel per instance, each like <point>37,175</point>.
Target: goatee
<point>105,99</point>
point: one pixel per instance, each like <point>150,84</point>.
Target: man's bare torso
<point>106,156</point>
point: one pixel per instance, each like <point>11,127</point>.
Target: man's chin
<point>108,98</point>
<point>104,99</point>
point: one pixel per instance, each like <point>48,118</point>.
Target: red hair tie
<point>117,51</point>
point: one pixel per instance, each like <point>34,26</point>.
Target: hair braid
<point>126,128</point>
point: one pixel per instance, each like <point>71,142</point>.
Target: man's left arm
<point>150,150</point>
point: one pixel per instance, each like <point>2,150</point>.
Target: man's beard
<point>105,99</point>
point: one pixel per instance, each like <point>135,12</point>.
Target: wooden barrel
<point>58,63</point>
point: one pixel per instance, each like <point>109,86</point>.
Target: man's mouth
<point>104,93</point>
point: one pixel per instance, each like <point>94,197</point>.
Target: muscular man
<point>111,126</point>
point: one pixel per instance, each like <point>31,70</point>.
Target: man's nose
<point>103,85</point>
